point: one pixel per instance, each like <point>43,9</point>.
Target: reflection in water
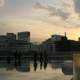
<point>48,74</point>
<point>67,67</point>
<point>27,66</point>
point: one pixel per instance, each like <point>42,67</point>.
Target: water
<point>48,74</point>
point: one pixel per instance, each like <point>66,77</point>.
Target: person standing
<point>41,60</point>
<point>35,60</point>
<point>45,60</point>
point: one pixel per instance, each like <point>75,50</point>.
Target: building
<point>3,43</point>
<point>24,36</point>
<point>55,44</point>
<point>9,42</point>
<point>58,37</point>
<point>11,36</point>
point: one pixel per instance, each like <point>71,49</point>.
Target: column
<point>76,66</point>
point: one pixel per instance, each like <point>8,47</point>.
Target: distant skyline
<point>42,18</point>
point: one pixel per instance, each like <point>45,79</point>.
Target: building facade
<point>24,36</point>
<point>9,42</point>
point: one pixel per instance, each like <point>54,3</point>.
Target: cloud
<point>53,11</point>
<point>64,15</point>
<point>67,3</point>
<point>77,5</point>
<point>39,6</point>
<point>2,2</point>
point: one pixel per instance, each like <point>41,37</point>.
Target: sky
<point>42,18</point>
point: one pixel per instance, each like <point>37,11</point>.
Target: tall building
<point>24,36</point>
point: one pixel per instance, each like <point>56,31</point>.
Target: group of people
<point>42,58</point>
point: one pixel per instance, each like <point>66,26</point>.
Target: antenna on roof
<point>65,34</point>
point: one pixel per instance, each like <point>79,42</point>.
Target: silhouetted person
<point>41,60</point>
<point>45,60</point>
<point>35,66</point>
<point>35,60</point>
